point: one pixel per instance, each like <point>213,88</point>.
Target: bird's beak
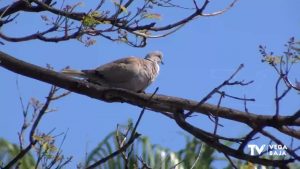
<point>162,62</point>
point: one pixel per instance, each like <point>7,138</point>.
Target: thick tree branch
<point>166,105</point>
<point>179,117</point>
<point>17,6</point>
<point>159,103</point>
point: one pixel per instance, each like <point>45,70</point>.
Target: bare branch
<point>32,142</point>
<point>277,141</point>
<point>117,152</point>
<point>179,118</point>
<point>133,25</point>
<point>159,103</point>
<point>133,136</point>
<point>20,155</point>
<point>215,90</point>
<point>230,161</point>
<point>167,105</point>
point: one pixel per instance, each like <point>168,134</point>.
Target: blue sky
<point>197,58</point>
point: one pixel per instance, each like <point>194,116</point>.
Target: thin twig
<point>23,152</point>
<point>230,161</point>
<point>133,136</point>
<point>115,153</point>
<point>210,94</point>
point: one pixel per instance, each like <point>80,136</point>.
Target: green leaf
<point>9,151</point>
<point>153,155</point>
<point>91,20</point>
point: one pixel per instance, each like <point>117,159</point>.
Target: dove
<point>131,73</point>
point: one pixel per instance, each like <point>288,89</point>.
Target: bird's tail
<point>74,73</point>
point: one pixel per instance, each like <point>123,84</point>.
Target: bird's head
<point>155,56</point>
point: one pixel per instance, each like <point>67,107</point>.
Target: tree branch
<point>123,148</point>
<point>180,120</point>
<point>166,105</point>
<point>159,103</point>
<point>130,24</point>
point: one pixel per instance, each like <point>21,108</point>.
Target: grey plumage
<point>130,73</point>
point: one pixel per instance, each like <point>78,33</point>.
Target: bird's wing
<point>120,70</point>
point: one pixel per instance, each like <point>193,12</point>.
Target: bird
<point>131,73</point>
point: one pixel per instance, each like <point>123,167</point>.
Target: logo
<point>271,149</point>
